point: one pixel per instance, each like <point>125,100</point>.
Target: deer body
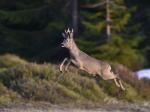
<point>87,63</point>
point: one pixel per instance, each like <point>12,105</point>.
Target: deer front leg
<point>66,68</point>
<point>62,64</point>
<point>78,64</point>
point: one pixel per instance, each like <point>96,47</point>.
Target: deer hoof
<point>122,88</point>
<point>66,69</point>
<point>60,69</point>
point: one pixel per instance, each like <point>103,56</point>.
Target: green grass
<point>44,82</point>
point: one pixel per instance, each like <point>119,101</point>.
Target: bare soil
<point>56,108</point>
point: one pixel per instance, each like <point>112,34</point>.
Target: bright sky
<point>143,73</point>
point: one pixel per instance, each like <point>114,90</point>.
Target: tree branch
<point>91,6</point>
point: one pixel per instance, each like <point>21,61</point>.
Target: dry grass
<point>44,82</point>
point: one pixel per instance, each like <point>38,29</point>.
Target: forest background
<point>116,31</point>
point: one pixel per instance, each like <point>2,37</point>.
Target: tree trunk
<point>108,20</point>
<point>75,16</point>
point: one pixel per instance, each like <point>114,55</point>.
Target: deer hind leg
<point>116,83</point>
<point>110,75</point>
<point>121,86</point>
<point>62,64</point>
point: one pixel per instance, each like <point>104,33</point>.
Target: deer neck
<point>74,49</point>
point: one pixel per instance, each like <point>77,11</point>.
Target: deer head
<point>68,39</point>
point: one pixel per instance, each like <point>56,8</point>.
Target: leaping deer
<point>85,62</point>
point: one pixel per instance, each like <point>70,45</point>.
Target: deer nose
<point>62,45</point>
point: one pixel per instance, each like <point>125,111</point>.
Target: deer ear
<point>63,35</point>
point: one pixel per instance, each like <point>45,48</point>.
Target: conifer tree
<point>108,15</point>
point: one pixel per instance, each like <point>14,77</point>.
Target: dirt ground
<point>54,108</point>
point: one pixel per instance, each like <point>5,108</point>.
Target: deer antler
<point>70,32</point>
<point>65,31</point>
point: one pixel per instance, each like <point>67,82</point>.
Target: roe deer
<point>85,62</point>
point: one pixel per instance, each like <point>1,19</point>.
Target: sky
<point>143,73</point>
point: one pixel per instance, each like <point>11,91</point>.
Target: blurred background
<point>112,30</point>
<point>116,31</point>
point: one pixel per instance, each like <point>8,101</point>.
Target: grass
<point>7,96</point>
<point>9,60</point>
<point>21,80</point>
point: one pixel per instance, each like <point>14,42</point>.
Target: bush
<point>44,82</point>
<point>9,60</point>
<point>7,96</point>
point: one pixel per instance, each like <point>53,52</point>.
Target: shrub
<point>7,96</point>
<point>9,60</point>
<point>44,82</point>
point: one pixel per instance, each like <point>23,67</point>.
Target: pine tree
<point>31,28</point>
<point>107,19</point>
<point>108,15</point>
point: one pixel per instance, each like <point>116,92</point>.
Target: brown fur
<point>85,62</point>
